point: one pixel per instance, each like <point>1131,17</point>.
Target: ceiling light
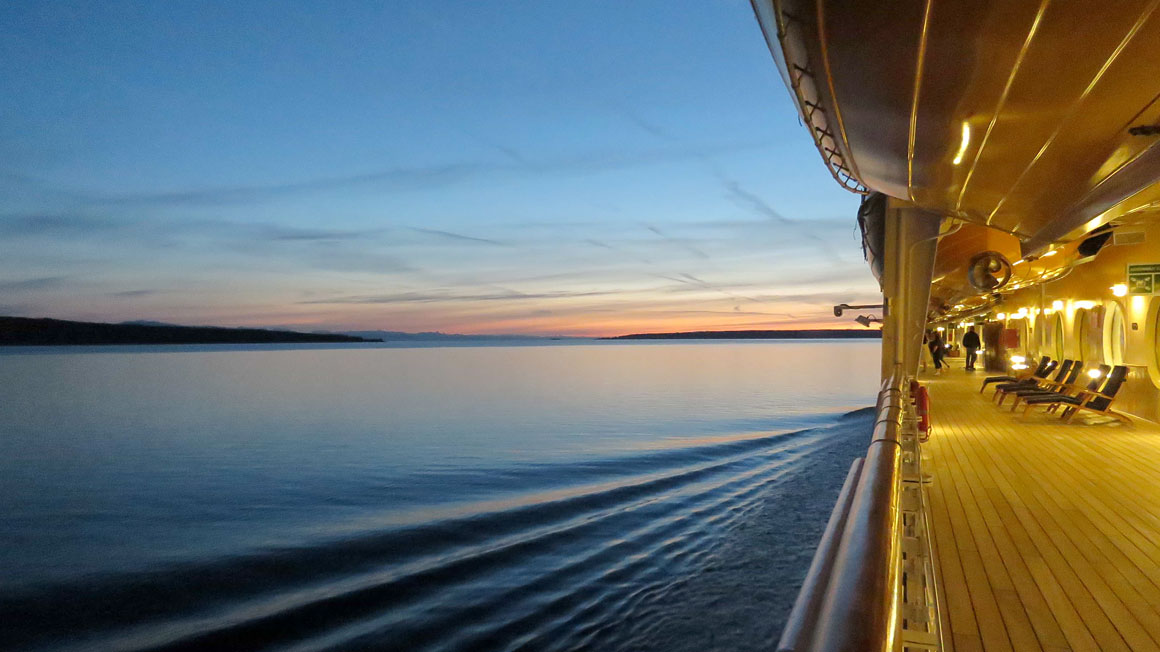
<point>963,145</point>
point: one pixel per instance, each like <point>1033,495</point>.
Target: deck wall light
<point>1057,305</point>
<point>1094,373</point>
<point>1001,316</point>
<point>1120,290</point>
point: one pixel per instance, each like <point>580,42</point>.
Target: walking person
<point>972,344</point>
<point>937,351</point>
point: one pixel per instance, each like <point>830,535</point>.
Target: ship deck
<point>1046,535</point>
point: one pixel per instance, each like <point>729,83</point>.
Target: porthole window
<point>1057,336</point>
<point>1115,337</point>
<point>1081,336</point>
<point>1156,337</point>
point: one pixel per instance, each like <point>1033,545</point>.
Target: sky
<point>550,168</point>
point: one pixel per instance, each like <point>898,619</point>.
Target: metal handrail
<point>809,601</point>
<point>849,599</point>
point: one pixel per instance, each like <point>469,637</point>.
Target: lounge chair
<point>1041,385</point>
<point>1099,402</point>
<point>1010,379</point>
<point>1027,382</point>
<point>1053,400</point>
<point>1060,385</point>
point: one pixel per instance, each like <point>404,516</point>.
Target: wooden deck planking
<point>1047,535</point>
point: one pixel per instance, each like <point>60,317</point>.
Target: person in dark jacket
<point>937,351</point>
<point>972,344</point>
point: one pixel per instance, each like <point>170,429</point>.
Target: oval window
<point>1081,336</point>
<point>1115,336</point>
<point>1057,337</point>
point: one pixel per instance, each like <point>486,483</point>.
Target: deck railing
<point>855,593</point>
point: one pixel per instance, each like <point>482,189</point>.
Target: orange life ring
<point>922,407</point>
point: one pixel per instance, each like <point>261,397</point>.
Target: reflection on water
<point>535,497</point>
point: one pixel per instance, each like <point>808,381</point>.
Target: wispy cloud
<point>459,237</point>
<point>753,202</point>
<point>129,294</point>
<point>683,244</point>
<point>446,296</point>
<point>39,283</point>
<point>402,178</point>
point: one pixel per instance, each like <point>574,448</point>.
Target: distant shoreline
<point>807,334</point>
<point>25,331</point>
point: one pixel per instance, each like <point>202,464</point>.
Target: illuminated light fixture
<point>963,145</point>
<point>940,329</point>
<point>1094,373</point>
<point>1018,359</point>
<point>1048,311</point>
<point>1049,253</point>
<point>1036,311</point>
<point>1120,290</point>
<point>1086,305</point>
<point>1018,367</point>
<point>1057,305</point>
<point>1001,316</point>
<point>1022,313</point>
<point>959,306</point>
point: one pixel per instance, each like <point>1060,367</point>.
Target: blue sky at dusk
<point>585,168</point>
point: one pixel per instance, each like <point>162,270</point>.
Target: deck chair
<point>1027,382</point>
<point>1010,379</point>
<point>1052,400</point>
<point>1064,385</point>
<point>1004,389</point>
<point>1099,402</point>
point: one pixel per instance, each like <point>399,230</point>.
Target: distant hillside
<point>28,332</point>
<point>845,334</point>
<point>399,336</point>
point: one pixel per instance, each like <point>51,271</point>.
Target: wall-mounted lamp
<point>845,306</point>
<point>1057,305</point>
<point>1120,290</point>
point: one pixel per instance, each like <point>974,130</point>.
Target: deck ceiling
<point>1048,91</point>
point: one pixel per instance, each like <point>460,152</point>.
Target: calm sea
<point>608,496</point>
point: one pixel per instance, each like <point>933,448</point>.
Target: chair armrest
<point>1093,394</point>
